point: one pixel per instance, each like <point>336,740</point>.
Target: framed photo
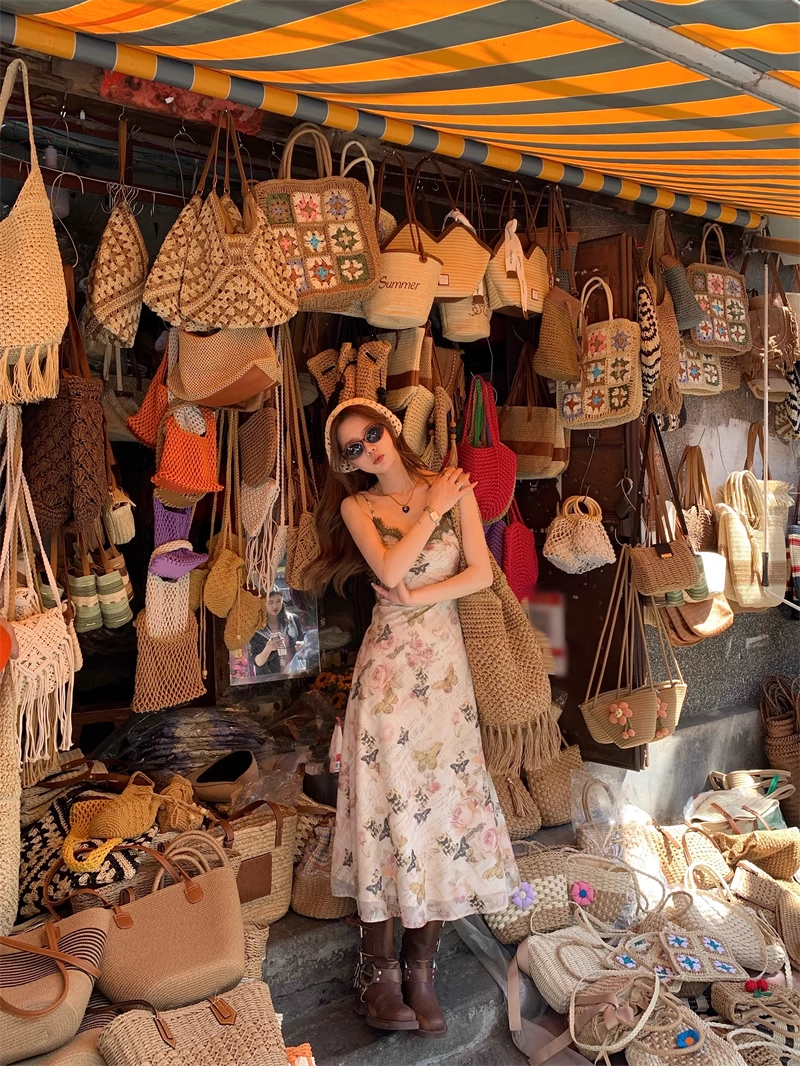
<point>287,646</point>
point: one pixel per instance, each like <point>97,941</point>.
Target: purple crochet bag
<point>170,523</point>
<point>495,538</point>
<point>174,559</point>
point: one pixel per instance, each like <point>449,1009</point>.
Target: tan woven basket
<point>262,836</point>
<point>543,869</point>
<point>311,889</point>
<point>550,786</point>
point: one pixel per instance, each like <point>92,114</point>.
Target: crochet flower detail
<point>663,972</point>
<point>724,967</point>
<point>619,713</point>
<point>582,894</point>
<point>713,945</point>
<point>525,896</point>
<point>662,709</point>
<point>690,963</point>
<point>627,962</point>
<point>687,1038</point>
<point>676,941</point>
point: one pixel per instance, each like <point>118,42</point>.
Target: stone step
<point>310,963</point>
<point>476,1016</point>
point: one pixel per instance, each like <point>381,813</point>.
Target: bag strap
<point>345,168</point>
<point>321,147</point>
<point>15,67</point>
<point>62,959</point>
<point>468,196</point>
<point>591,285</point>
<point>755,435</point>
<point>411,215</point>
<point>230,829</point>
<point>212,156</point>
<point>716,229</point>
<point>652,425</point>
<point>489,406</point>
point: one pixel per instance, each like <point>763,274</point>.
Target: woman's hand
<point>399,596</point>
<point>448,488</point>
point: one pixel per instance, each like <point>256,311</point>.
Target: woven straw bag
<point>512,689</point>
<point>387,223</point>
<point>155,949</point>
<point>262,837</point>
<point>118,272</point>
<point>258,446</point>
<point>688,311</point>
<point>698,503</point>
<point>324,228</point>
<point>224,368</point>
<point>561,243</point>
<point>521,814</point>
<point>609,392</point>
<point>517,275</point>
<point>576,540</point>
<point>234,276</point>
<point>463,254</point>
<point>674,1030</point>
<point>416,418</point>
<point>167,668</point>
<point>775,851</point>
<point>48,977</point>
<point>701,372</point>
<point>777,1014</point>
<point>542,870</point>
<point>528,423</point>
<point>467,320</point>
<point>754,943</point>
<point>311,888</point>
<point>484,457</point>
<point>722,296</point>
<point>607,1012</point>
<point>678,846</point>
<point>628,716</point>
<point>550,785</point>
<point>33,318</point>
<point>649,342</point>
<point>559,352</point>
<point>664,395</point>
<point>740,810</point>
<point>556,962</point>
<point>240,1027</point>
<point>669,564</point>
<point>408,278</point>
<point>403,366</point>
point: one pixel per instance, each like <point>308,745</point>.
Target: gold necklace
<point>404,507</point>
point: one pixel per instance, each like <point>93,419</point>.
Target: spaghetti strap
<point>369,504</point>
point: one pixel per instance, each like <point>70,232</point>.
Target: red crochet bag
<point>520,561</point>
<point>484,457</point>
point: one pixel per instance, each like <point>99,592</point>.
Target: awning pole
<point>765,421</point>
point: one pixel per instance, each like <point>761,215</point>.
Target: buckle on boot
<point>367,974</point>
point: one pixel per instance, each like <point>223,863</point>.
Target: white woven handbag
<point>738,810</point>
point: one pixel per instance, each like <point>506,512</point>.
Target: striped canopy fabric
<point>516,75</point>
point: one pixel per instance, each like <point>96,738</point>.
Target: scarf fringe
<point>666,398</point>
<point>31,376</point>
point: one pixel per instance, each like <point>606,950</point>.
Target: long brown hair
<point>339,557</point>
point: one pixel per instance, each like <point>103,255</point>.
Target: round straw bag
<point>408,280</point>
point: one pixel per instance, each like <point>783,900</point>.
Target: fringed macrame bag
<point>33,310</point>
<point>512,689</point>
<point>43,672</point>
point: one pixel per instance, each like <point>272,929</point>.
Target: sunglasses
<point>356,449</point>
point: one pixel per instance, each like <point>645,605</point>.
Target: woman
<point>273,647</point>
<point>419,833</point>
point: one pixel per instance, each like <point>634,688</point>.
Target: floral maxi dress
<point>419,832</point>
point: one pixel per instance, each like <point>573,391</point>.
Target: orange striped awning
<point>508,83</point>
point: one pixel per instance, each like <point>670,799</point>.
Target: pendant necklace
<point>404,507</point>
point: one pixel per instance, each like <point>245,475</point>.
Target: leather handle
<point>62,959</point>
<point>229,829</point>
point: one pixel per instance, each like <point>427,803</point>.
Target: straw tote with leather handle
<point>669,564</point>
<point>408,278</point>
<point>33,317</point>
<point>234,275</point>
<point>47,975</point>
<point>324,229</point>
<point>118,272</point>
<point>517,279</point>
<point>529,425</point>
<point>182,942</point>
<point>463,253</point>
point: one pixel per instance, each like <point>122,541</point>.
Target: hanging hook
<point>593,438</point>
<point>243,148</point>
<point>272,155</point>
<point>153,208</point>
<point>182,132</point>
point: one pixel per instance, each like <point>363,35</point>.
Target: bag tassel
<point>522,805</point>
<point>20,386</point>
<point>532,745</point>
<point>50,379</point>
<point>666,397</point>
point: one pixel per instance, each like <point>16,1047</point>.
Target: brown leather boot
<point>419,971</point>
<point>378,980</point>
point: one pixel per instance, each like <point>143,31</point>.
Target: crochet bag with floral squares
<point>722,295</point>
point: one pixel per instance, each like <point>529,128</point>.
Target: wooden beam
<point>782,245</point>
